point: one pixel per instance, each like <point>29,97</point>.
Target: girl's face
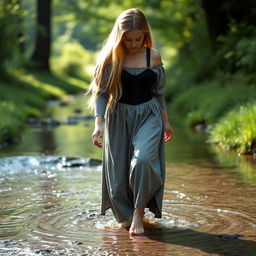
<point>133,40</point>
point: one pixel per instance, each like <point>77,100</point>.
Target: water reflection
<point>243,166</point>
<point>75,140</point>
<point>174,241</point>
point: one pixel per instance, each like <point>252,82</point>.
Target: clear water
<point>50,204</point>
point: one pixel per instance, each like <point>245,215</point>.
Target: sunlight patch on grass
<point>237,129</point>
<point>46,87</point>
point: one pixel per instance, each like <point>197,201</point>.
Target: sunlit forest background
<point>48,49</point>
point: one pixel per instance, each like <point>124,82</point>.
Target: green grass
<point>24,94</point>
<point>237,129</point>
<point>227,102</point>
<point>209,101</point>
<point>9,124</point>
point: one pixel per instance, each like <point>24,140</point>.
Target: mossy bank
<point>25,94</point>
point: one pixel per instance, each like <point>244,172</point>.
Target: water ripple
<point>48,211</point>
<point>44,164</point>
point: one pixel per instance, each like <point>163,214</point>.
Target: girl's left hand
<point>168,133</point>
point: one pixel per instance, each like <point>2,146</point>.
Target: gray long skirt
<point>133,160</point>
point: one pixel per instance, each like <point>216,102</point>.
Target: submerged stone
<point>230,236</point>
<point>43,122</point>
<point>44,251</point>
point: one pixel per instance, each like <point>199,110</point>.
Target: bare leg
<point>137,222</point>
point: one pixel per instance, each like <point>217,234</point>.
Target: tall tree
<point>20,34</point>
<point>41,53</point>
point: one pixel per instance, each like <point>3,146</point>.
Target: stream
<point>50,192</point>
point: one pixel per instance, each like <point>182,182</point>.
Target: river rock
<point>72,120</point>
<point>44,251</point>
<point>43,122</point>
<point>77,110</point>
<point>71,162</point>
<point>63,103</point>
<point>77,242</point>
<point>230,236</point>
<point>50,122</point>
<point>200,128</point>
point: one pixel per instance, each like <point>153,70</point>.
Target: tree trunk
<point>216,18</point>
<point>41,53</point>
<point>20,34</point>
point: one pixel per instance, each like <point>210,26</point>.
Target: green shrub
<point>238,49</point>
<point>11,119</point>
<point>237,129</point>
<point>207,102</point>
<point>72,59</point>
<point>24,95</point>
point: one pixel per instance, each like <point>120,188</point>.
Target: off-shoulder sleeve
<point>158,90</point>
<point>102,99</point>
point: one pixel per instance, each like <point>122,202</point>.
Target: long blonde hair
<point>112,54</point>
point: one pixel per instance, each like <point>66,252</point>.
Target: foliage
<point>207,102</point>
<point>17,103</point>
<point>237,129</point>
<point>171,21</point>
<point>25,96</point>
<point>203,82</point>
<point>10,16</point>
<point>238,49</point>
<point>8,119</point>
<point>194,61</point>
<point>72,58</point>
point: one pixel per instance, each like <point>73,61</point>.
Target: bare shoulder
<point>155,57</point>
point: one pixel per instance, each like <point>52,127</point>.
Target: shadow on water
<point>173,242</point>
<point>225,245</point>
<point>161,240</point>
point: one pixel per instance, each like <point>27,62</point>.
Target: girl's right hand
<point>97,135</point>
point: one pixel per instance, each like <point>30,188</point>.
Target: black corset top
<point>137,89</point>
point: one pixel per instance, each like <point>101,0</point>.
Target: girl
<point>127,91</point>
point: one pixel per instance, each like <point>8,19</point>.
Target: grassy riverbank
<point>24,94</point>
<point>211,81</point>
<point>237,129</point>
<point>225,109</point>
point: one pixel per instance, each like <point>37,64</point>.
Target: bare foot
<point>137,222</point>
